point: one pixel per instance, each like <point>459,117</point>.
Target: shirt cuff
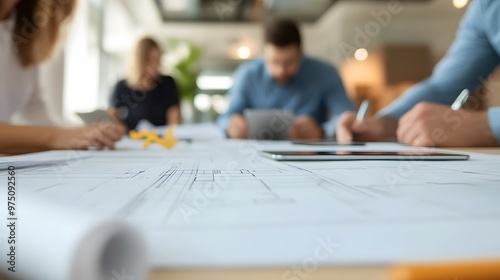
<point>330,128</point>
<point>494,120</point>
<point>222,123</point>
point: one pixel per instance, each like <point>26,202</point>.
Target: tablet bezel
<point>362,155</point>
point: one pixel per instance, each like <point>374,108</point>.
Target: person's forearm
<point>421,92</point>
<point>21,139</point>
<point>174,116</point>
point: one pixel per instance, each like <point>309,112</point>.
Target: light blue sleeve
<point>494,119</point>
<point>470,60</point>
<point>337,101</point>
<point>238,98</point>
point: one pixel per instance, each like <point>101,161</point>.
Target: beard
<point>283,80</point>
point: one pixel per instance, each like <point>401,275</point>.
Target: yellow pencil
<point>489,270</point>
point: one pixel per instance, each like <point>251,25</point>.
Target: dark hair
<point>283,33</point>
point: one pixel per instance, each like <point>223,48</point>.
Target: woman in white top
<point>29,31</point>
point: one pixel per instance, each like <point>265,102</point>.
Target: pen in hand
<point>461,100</point>
<point>360,116</point>
<point>363,110</point>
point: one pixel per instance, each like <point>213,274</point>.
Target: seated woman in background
<point>146,94</point>
<point>29,31</point>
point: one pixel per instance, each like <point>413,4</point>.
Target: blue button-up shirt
<point>316,91</point>
<point>470,60</point>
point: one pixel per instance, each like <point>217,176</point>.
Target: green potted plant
<point>182,62</point>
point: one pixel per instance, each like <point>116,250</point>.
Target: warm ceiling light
<point>459,4</point>
<point>244,52</point>
<point>361,54</point>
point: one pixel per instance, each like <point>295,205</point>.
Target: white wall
<point>81,88</point>
<point>433,23</point>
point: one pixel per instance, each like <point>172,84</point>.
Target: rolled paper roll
<point>56,242</point>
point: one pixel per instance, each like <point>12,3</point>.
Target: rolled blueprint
<point>56,242</point>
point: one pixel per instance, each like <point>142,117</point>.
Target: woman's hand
<point>99,136</point>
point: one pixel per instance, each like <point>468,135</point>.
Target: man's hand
<point>433,125</point>
<point>99,135</point>
<point>305,127</point>
<point>369,130</point>
<point>238,127</point>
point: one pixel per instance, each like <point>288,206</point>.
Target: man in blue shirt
<point>425,117</point>
<point>286,79</point>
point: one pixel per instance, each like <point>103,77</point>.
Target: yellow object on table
<point>168,141</point>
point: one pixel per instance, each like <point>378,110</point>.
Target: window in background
<point>98,42</point>
<point>119,37</point>
<point>211,99</point>
<point>82,64</point>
